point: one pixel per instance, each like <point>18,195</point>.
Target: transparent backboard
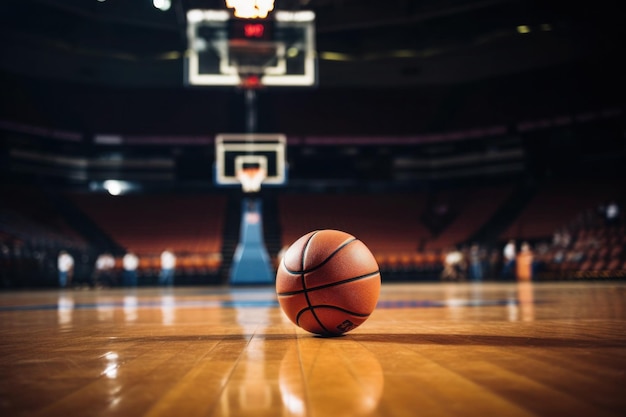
<point>280,49</point>
<point>237,152</point>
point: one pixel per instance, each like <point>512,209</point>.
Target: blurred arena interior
<point>435,127</point>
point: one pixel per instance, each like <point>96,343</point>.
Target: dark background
<point>428,80</point>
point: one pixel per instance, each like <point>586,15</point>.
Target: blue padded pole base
<point>251,262</point>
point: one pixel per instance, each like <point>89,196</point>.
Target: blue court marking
<point>396,304</point>
<point>147,304</point>
<point>445,303</point>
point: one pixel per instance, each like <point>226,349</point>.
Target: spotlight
<point>115,187</point>
<point>162,5</point>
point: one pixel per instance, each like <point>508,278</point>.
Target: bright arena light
<point>163,5</point>
<point>115,187</point>
<point>251,9</point>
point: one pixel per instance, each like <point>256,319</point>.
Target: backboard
<point>236,153</point>
<point>277,51</point>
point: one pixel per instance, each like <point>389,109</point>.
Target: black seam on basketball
<point>343,281</point>
<point>324,262</point>
<point>312,309</point>
<point>304,289</point>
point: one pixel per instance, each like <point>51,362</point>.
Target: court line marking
<point>390,304</point>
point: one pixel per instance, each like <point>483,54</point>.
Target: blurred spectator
<point>476,264</point>
<point>104,272</point>
<point>168,264</point>
<point>509,254</point>
<point>485,262</point>
<point>524,263</point>
<point>65,266</point>
<point>5,265</point>
<point>495,263</point>
<point>130,262</point>
<point>542,257</point>
<point>451,266</point>
<point>556,238</point>
<point>559,256</point>
<point>83,269</point>
<point>463,264</point>
<point>20,269</point>
<point>562,238</point>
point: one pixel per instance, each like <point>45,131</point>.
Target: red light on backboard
<point>253,30</point>
<point>251,82</point>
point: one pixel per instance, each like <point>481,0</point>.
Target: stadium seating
<point>27,215</point>
<point>385,223</point>
<point>189,225</point>
<point>555,204</point>
<point>473,207</point>
<point>148,224</point>
<point>406,242</point>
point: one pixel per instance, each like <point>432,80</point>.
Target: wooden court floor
<point>543,349</point>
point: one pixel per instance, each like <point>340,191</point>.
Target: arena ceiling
<point>359,42</point>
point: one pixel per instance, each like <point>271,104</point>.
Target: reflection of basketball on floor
<point>336,377</point>
<point>328,282</point>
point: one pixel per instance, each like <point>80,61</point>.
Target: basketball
<point>328,282</point>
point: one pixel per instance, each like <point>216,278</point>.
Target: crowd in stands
<point>127,270</point>
<point>29,249</point>
<point>591,245</point>
<point>39,249</point>
<point>26,263</point>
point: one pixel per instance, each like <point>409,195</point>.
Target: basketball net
<point>251,179</point>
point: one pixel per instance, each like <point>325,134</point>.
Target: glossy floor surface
<point>545,349</point>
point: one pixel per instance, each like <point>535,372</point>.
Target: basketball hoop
<point>251,178</point>
<point>235,152</point>
<point>226,50</point>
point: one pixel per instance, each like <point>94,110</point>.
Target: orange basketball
<point>328,282</point>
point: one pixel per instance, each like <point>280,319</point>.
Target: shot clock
<point>251,29</point>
